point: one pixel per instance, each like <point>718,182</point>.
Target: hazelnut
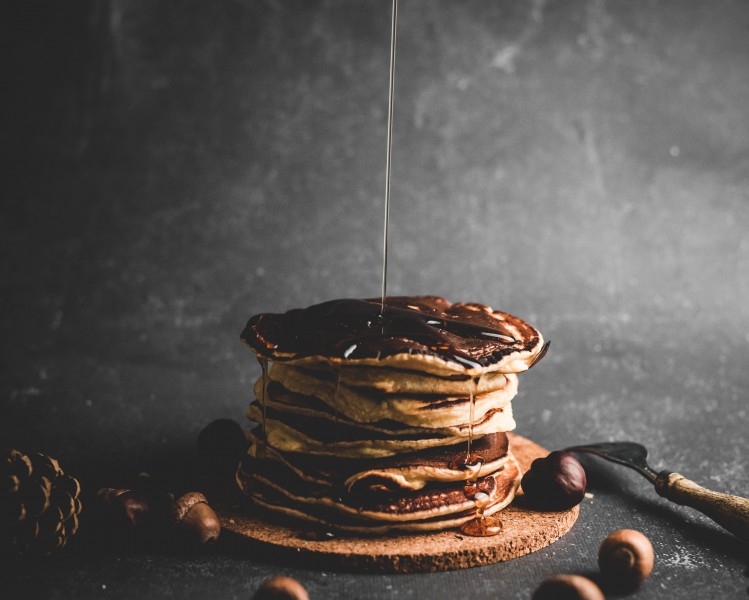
<point>556,482</point>
<point>625,558</point>
<point>281,588</point>
<point>567,587</point>
<point>220,445</point>
<point>130,518</point>
<point>195,519</point>
<point>126,506</point>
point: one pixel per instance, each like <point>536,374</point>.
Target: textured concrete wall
<point>187,164</point>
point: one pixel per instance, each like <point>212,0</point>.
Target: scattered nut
<point>567,587</point>
<point>625,558</point>
<point>220,446</point>
<point>281,588</point>
<point>129,518</point>
<point>126,506</point>
<point>193,517</point>
<point>556,482</point>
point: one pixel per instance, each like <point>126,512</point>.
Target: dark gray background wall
<point>171,168</point>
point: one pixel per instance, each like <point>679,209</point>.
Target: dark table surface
<point>171,168</point>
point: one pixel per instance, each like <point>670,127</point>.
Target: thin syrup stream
<point>391,90</point>
<point>472,414</point>
<point>337,405</point>
<point>264,367</point>
<point>480,525</point>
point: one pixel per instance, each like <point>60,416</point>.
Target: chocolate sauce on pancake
<point>352,329</point>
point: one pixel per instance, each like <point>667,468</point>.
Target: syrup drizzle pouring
<point>388,162</point>
<point>481,525</point>
<point>357,328</point>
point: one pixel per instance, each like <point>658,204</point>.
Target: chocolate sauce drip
<point>356,329</point>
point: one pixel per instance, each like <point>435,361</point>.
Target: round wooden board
<point>523,531</point>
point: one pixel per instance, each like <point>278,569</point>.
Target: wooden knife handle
<point>731,512</point>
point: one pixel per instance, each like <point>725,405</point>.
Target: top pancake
<point>420,333</point>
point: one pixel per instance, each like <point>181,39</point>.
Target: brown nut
<point>126,506</point>
<point>625,558</point>
<point>567,587</point>
<point>220,446</point>
<point>556,482</point>
<point>195,519</point>
<point>281,588</point>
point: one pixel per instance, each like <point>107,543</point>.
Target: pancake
<point>291,433</point>
<point>372,405</point>
<point>405,471</point>
<point>421,333</point>
<point>403,381</point>
<point>496,418</point>
<point>428,509</point>
<point>372,423</point>
<point>389,380</point>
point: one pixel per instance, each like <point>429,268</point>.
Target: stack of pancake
<point>373,420</point>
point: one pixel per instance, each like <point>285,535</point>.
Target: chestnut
<point>281,588</point>
<point>556,482</point>
<point>567,587</point>
<point>625,558</point>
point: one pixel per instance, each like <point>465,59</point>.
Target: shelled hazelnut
<point>625,558</point>
<point>195,519</point>
<point>567,587</point>
<point>556,482</point>
<point>281,588</point>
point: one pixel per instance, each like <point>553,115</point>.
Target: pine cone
<point>39,504</point>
